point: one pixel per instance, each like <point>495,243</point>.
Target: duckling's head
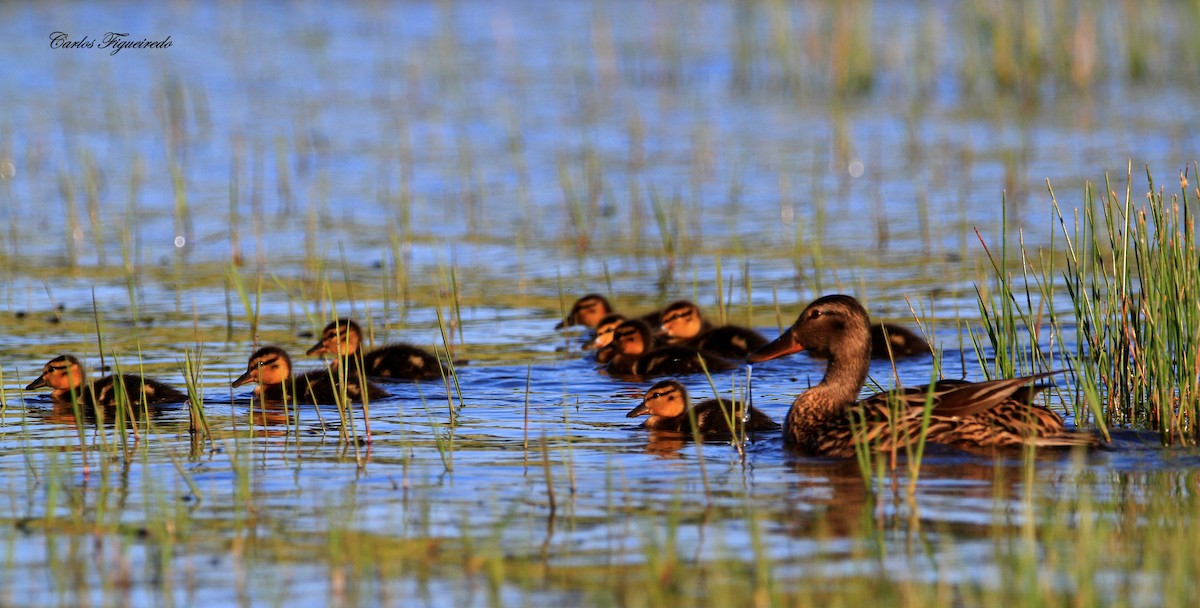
<point>268,365</point>
<point>587,311</point>
<point>604,331</point>
<point>667,399</point>
<point>62,373</point>
<point>630,338</point>
<point>833,327</point>
<point>682,320</point>
<point>340,338</point>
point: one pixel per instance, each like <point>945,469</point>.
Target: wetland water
<point>485,164</point>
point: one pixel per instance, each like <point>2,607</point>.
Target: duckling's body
<point>830,420</point>
<point>69,380</point>
<point>343,339</point>
<point>633,355</point>
<point>684,325</point>
<point>271,368</point>
<point>667,405</point>
<point>904,342</point>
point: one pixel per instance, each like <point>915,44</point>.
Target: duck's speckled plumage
<point>667,405</point>
<point>342,338</point>
<point>67,377</point>
<point>271,368</point>
<point>829,419</point>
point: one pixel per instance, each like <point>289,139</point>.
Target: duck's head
<point>831,327</point>
<point>340,338</point>
<point>604,331</point>
<point>667,399</point>
<point>587,311</point>
<point>682,320</point>
<point>268,365</point>
<point>630,338</point>
<point>62,373</point>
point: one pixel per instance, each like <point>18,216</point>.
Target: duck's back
<point>402,361</point>
<point>139,389</point>
<point>729,341</point>
<point>678,360</point>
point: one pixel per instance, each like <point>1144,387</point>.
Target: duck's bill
<point>783,345</point>
<point>319,349</point>
<point>39,383</point>
<point>242,379</point>
<point>640,410</point>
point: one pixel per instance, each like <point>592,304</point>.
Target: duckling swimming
<point>667,404</point>
<point>634,356</point>
<point>603,337</point>
<point>683,323</point>
<point>587,311</point>
<point>829,419</point>
<point>343,339</point>
<point>66,376</point>
<point>271,368</point>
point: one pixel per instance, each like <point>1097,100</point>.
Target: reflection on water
<point>454,175</point>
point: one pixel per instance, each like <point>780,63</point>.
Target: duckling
<point>271,368</point>
<point>603,337</point>
<point>587,311</point>
<point>591,309</point>
<point>683,324</point>
<point>667,403</point>
<point>904,342</point>
<point>633,355</point>
<point>829,419</point>
<point>343,339</point>
<point>66,376</point>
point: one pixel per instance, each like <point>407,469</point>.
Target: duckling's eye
<point>59,368</point>
<point>679,315</point>
<point>814,314</point>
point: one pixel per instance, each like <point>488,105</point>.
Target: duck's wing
<point>959,399</point>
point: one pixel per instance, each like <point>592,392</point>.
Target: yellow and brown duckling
<point>271,368</point>
<point>587,311</point>
<point>342,338</point>
<point>69,380</point>
<point>603,337</point>
<point>667,405</point>
<point>634,355</point>
<point>829,419</point>
<point>683,324</point>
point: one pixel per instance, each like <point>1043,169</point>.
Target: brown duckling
<point>905,342</point>
<point>829,419</point>
<point>343,339</point>
<point>603,337</point>
<point>587,311</point>
<point>67,377</point>
<point>634,355</point>
<point>667,404</point>
<point>271,368</point>
<point>683,324</point>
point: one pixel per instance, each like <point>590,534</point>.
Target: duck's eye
<point>814,314</point>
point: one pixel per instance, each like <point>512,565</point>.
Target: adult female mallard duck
<point>633,355</point>
<point>829,418</point>
<point>683,324</point>
<point>667,404</point>
<point>342,338</point>
<point>271,368</point>
<point>67,377</point>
